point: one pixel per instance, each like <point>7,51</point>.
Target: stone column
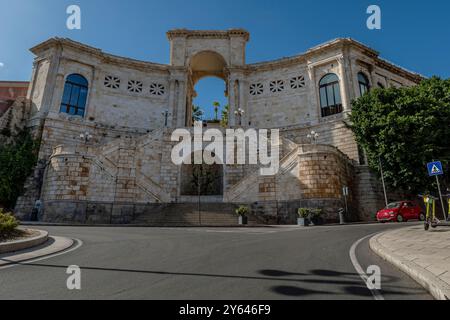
<point>243,102</point>
<point>89,111</point>
<point>344,85</point>
<point>58,92</point>
<point>313,96</point>
<point>232,102</point>
<point>171,104</point>
<point>180,100</point>
<point>372,78</point>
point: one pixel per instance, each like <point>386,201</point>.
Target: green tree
<point>17,158</point>
<point>405,128</point>
<point>197,113</point>
<point>224,120</point>
<point>216,106</point>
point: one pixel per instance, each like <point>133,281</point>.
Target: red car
<point>401,211</point>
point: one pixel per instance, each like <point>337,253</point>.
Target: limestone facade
<point>133,106</point>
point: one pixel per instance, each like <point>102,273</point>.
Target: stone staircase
<point>288,157</point>
<point>187,214</point>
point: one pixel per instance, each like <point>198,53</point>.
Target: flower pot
<point>317,221</point>
<point>243,220</point>
<point>302,222</point>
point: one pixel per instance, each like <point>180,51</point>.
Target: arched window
<point>75,95</point>
<point>363,83</point>
<point>330,95</point>
<point>380,85</point>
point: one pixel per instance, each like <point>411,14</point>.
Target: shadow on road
<point>344,283</point>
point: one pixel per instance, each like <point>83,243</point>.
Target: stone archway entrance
<point>201,180</point>
<point>201,53</point>
<point>204,64</point>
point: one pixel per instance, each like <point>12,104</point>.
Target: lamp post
<point>166,115</point>
<point>313,136</point>
<point>239,113</point>
<point>86,137</point>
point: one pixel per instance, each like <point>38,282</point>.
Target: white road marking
<point>78,244</point>
<point>376,293</point>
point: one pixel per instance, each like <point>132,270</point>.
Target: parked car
<point>401,211</point>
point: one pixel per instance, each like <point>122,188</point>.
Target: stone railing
<point>290,155</point>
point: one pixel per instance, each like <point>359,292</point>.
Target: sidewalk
<point>424,256</point>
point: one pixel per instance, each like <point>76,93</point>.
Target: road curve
<point>210,263</point>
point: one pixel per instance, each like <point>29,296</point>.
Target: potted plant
<point>303,216</point>
<point>242,213</point>
<point>316,216</point>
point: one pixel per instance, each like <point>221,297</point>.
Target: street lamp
<point>313,136</point>
<point>86,137</point>
<point>166,115</point>
<point>239,113</point>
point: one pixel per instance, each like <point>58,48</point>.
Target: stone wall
<point>15,118</point>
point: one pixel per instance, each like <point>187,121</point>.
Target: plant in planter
<point>303,217</point>
<point>242,213</point>
<point>8,225</point>
<point>317,216</point>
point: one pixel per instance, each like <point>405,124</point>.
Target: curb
<point>51,224</point>
<point>55,224</point>
<point>25,243</point>
<point>59,246</point>
<point>426,279</point>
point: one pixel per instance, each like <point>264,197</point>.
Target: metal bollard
<point>341,216</point>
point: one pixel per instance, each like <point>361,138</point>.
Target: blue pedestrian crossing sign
<point>435,168</point>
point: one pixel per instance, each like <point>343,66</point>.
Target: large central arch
<point>204,64</point>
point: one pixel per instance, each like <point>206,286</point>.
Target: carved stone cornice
<point>208,34</point>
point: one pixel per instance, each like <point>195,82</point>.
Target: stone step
<point>187,214</point>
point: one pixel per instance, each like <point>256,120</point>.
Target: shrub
<point>303,213</point>
<point>8,223</point>
<point>316,213</point>
<point>242,211</point>
<point>309,213</point>
<point>17,159</point>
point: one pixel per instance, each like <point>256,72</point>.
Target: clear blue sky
<point>415,34</point>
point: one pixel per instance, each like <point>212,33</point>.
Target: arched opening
<point>210,102</point>
<point>201,180</point>
<point>208,90</point>
<point>363,83</point>
<point>330,95</point>
<point>75,95</point>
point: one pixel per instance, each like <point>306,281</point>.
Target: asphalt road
<point>210,263</point>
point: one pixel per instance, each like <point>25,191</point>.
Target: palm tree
<point>197,113</point>
<point>216,109</point>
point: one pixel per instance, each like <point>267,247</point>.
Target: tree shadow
<point>296,291</point>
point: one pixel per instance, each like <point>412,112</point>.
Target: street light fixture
<point>313,136</point>
<point>86,137</point>
<point>166,115</point>
<point>239,113</point>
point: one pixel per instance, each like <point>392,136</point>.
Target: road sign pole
<point>382,180</point>
<point>440,195</point>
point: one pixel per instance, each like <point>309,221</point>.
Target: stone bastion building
<point>105,124</point>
